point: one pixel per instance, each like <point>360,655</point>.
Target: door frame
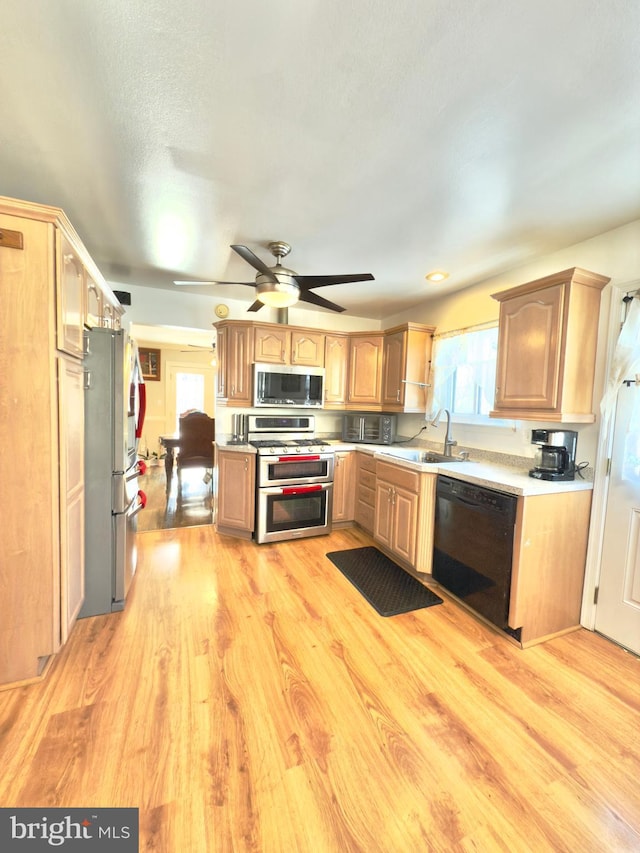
<point>601,479</point>
<point>185,367</point>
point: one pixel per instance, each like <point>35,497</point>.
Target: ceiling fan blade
<point>307,281</point>
<point>248,283</point>
<point>255,262</point>
<point>314,299</point>
<point>256,306</point>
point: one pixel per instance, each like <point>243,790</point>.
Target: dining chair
<point>197,433</point>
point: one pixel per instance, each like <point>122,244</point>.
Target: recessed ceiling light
<point>437,275</point>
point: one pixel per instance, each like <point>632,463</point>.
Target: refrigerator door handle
<point>142,502</point>
<point>142,393</point>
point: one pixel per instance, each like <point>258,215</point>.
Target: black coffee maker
<point>556,454</point>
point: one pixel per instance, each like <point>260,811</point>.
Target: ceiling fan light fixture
<point>279,295</point>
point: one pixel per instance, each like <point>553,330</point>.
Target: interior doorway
<point>189,386</point>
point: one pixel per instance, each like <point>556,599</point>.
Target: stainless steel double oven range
<point>294,492</point>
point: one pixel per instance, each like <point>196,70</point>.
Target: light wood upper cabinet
<point>221,359</point>
<point>280,344</point>
<point>547,348</point>
<point>111,312</point>
<point>336,370</point>
<point>365,371</point>
<point>355,363</point>
<point>405,370</point>
<point>70,297</point>
<point>235,360</point>
<point>272,344</point>
<point>239,362</point>
<point>307,348</point>
<point>93,308</point>
<point>236,492</point>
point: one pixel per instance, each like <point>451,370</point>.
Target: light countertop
<point>223,444</point>
<point>513,480</point>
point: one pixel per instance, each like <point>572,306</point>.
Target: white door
<point>618,607</point>
<point>189,386</point>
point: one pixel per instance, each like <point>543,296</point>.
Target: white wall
<point>162,307</point>
<point>615,254</point>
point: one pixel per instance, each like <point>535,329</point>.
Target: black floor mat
<point>387,587</point>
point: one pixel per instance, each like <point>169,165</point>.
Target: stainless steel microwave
<point>369,429</point>
<point>288,386</point>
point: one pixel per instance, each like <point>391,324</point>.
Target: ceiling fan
<point>280,287</point>
<point>211,348</point>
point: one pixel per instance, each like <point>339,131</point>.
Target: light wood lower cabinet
<point>365,507</point>
<point>344,482</point>
<point>549,558</point>
<point>404,514</point>
<point>235,513</point>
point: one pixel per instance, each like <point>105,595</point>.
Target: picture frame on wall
<point>150,364</point>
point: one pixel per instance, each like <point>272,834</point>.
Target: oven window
<point>292,512</point>
<point>297,471</point>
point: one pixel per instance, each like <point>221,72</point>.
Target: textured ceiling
<point>383,137</point>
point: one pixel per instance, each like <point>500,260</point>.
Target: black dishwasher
<point>473,546</point>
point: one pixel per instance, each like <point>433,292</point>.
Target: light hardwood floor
<point>248,699</point>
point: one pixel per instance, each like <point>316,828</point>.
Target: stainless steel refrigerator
<point>114,404</point>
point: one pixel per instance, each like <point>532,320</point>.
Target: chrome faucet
<point>448,440</point>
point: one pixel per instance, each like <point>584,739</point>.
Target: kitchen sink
<point>424,457</point>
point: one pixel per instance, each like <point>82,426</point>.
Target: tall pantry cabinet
<point>44,271</point>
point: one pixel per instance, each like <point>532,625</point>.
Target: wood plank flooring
<point>248,699</point>
<point>169,508</point>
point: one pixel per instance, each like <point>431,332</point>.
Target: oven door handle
<point>300,490</point>
<point>298,458</point>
